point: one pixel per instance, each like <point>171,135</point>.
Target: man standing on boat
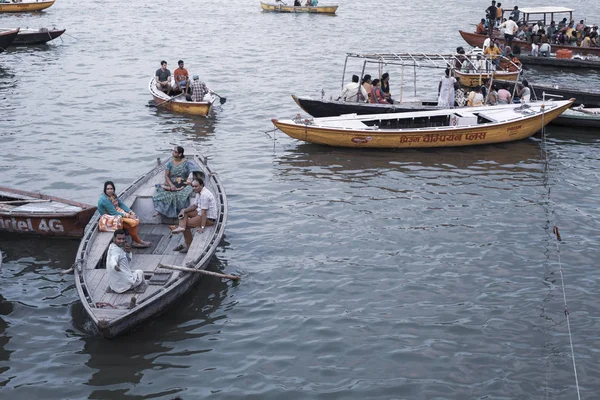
<point>190,217</point>
<point>351,90</point>
<point>491,12</point>
<point>120,277</point>
<point>162,77</point>
<point>509,27</point>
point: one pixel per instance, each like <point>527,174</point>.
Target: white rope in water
<point>562,278</point>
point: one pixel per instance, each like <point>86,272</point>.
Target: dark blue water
<point>418,274</point>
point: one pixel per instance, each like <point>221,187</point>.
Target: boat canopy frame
<point>545,11</point>
<point>418,60</point>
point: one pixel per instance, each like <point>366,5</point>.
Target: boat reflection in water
<point>363,165</point>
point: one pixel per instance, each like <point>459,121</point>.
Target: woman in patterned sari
<point>174,194</point>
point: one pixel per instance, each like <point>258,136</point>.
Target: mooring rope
<point>556,233</point>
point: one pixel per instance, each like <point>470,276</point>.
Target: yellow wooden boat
<point>25,5</point>
<point>284,8</point>
<point>435,128</point>
<point>179,103</point>
<point>472,79</point>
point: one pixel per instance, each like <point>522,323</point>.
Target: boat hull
<point>299,9</point>
<point>44,222</point>
<point>7,37</point>
<point>476,40</point>
<point>580,119</point>
<point>553,62</point>
<point>179,105</point>
<point>472,79</point>
<point>450,136</point>
<point>25,6</point>
<point>587,98</point>
<point>28,38</point>
<point>330,108</point>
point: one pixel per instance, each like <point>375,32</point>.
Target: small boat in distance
<point>24,6</point>
<point>38,214</point>
<point>436,128</point>
<point>116,313</point>
<point>285,8</point>
<point>35,36</point>
<point>588,98</point>
<point>7,37</point>
<point>178,103</point>
<point>579,117</point>
<point>589,62</point>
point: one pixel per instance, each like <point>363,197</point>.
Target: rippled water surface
<point>417,274</point>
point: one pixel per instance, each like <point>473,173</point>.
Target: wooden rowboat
<point>284,8</point>
<point>179,104</point>
<point>437,128</point>
<point>113,313</point>
<point>554,62</point>
<point>589,98</point>
<point>579,117</point>
<point>7,37</point>
<point>35,36</point>
<point>476,40</point>
<point>35,213</point>
<point>25,5</point>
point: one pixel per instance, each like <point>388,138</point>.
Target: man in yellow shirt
<point>492,52</point>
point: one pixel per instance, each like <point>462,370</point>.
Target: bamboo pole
<point>198,271</point>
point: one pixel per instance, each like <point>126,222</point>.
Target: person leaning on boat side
<point>385,87</point>
<point>174,194</point>
<point>190,218</point>
<point>182,78</point>
<point>199,89</point>
<point>354,91</point>
<point>120,276</point>
<point>446,90</point>
<point>110,204</point>
<point>163,77</point>
<point>524,92</point>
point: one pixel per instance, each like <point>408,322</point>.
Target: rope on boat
<point>556,233</point>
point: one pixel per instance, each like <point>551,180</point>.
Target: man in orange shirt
<point>182,78</point>
<point>481,27</point>
<point>493,52</point>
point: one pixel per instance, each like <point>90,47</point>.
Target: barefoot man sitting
<point>201,213</point>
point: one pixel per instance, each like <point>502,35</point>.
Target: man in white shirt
<point>120,277</point>
<point>509,28</point>
<point>190,217</point>
<point>351,91</point>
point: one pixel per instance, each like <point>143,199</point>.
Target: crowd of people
<point>172,200</point>
<point>564,33</point>
<point>368,90</point>
<point>179,82</point>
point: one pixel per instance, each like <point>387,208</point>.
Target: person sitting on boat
<point>366,84</point>
<point>200,214</point>
<point>377,94</point>
<point>493,52</point>
<point>385,87</point>
<point>354,91</point>
<point>475,98</point>
<point>120,276</point>
<point>524,91</point>
<point>297,3</point>
<point>504,96</point>
<point>446,90</point>
<point>110,204</point>
<point>481,27</point>
<point>199,89</point>
<point>562,24</point>
<point>492,97</point>
<point>163,77</point>
<point>586,42</point>
<point>552,32</point>
<point>580,26</point>
<point>174,194</point>
<point>594,36</point>
<point>182,78</point>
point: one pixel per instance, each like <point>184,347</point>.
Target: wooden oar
<point>198,271</point>
<point>222,99</point>
<point>25,201</point>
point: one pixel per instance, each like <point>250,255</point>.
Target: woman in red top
<point>377,96</point>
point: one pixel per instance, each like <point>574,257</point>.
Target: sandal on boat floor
<point>142,245</point>
<point>179,248</point>
<point>184,250</point>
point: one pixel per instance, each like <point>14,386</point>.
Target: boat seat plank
<point>108,313</point>
<point>198,245</point>
<point>100,245</point>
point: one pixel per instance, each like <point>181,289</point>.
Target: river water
<point>417,274</point>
